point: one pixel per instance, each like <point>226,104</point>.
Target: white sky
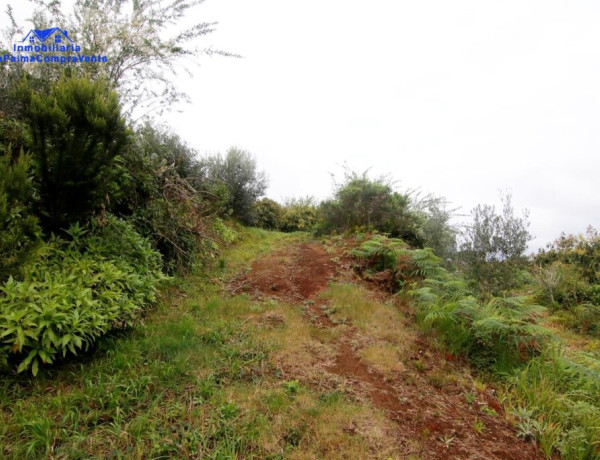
<point>460,98</point>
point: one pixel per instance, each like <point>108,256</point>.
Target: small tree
<point>244,182</point>
<point>77,133</point>
<point>493,247</point>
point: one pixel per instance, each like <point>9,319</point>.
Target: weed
<point>478,426</point>
<point>470,397</point>
<point>420,365</point>
<point>292,387</point>
<point>489,411</point>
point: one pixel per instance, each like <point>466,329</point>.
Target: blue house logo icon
<point>53,35</point>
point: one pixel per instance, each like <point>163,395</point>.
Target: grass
<point>204,376</point>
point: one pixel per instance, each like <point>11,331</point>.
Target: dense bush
<point>19,229</point>
<point>77,134</point>
<point>370,204</point>
<point>268,214</point>
<point>436,229</point>
<point>580,251</point>
<point>78,289</point>
<point>299,214</point>
<point>165,195</point>
<point>497,335</point>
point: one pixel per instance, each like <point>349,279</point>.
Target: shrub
<point>166,196</point>
<point>498,334</point>
<point>268,214</point>
<point>396,263</point>
<point>580,251</point>
<point>76,292</point>
<point>561,285</point>
<point>299,214</point>
<point>77,135</point>
<point>436,229</point>
<point>19,229</point>
<point>370,204</point>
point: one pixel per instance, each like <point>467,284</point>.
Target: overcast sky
<point>459,98</point>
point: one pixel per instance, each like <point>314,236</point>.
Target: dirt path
<point>426,397</point>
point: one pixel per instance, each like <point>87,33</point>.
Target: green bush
<point>370,204</point>
<point>580,251</point>
<point>77,291</point>
<point>77,135</point>
<point>167,198</point>
<point>498,334</point>
<point>268,214</point>
<point>244,183</point>
<point>19,229</point>
<point>299,214</point>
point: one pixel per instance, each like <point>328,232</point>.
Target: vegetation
<point>19,228</point>
<point>244,183</point>
<point>493,248</point>
<point>552,391</point>
<point>97,211</point>
<point>369,204</point>
<point>75,292</point>
<point>77,136</point>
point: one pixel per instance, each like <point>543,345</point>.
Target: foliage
<point>370,204</point>
<point>76,292</point>
<point>299,214</point>
<point>19,229</point>
<point>396,262</point>
<point>145,41</point>
<point>437,231</point>
<point>561,285</point>
<point>165,194</point>
<point>492,248</point>
<point>580,251</point>
<point>268,214</point>
<point>77,136</point>
<point>561,389</point>
<point>244,183</point>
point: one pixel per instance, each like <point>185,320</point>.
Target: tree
<point>245,184</point>
<point>77,135</point>
<point>144,42</point>
<point>493,247</point>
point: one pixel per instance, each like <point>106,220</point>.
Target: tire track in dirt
<point>442,422</point>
